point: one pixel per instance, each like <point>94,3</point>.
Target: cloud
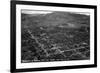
<point>83,13</point>
<point>35,12</point>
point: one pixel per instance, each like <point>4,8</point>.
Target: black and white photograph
<point>52,36</point>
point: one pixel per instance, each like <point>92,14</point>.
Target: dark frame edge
<point>57,68</point>
<point>55,4</point>
<point>95,36</point>
<point>12,36</point>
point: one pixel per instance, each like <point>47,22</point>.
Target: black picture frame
<point>13,35</point>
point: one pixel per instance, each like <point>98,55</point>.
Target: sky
<point>35,12</point>
<point>46,12</point>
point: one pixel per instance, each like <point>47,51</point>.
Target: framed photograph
<point>52,36</point>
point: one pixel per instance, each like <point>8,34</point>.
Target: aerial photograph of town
<point>48,36</point>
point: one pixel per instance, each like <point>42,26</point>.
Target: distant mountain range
<point>60,19</point>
